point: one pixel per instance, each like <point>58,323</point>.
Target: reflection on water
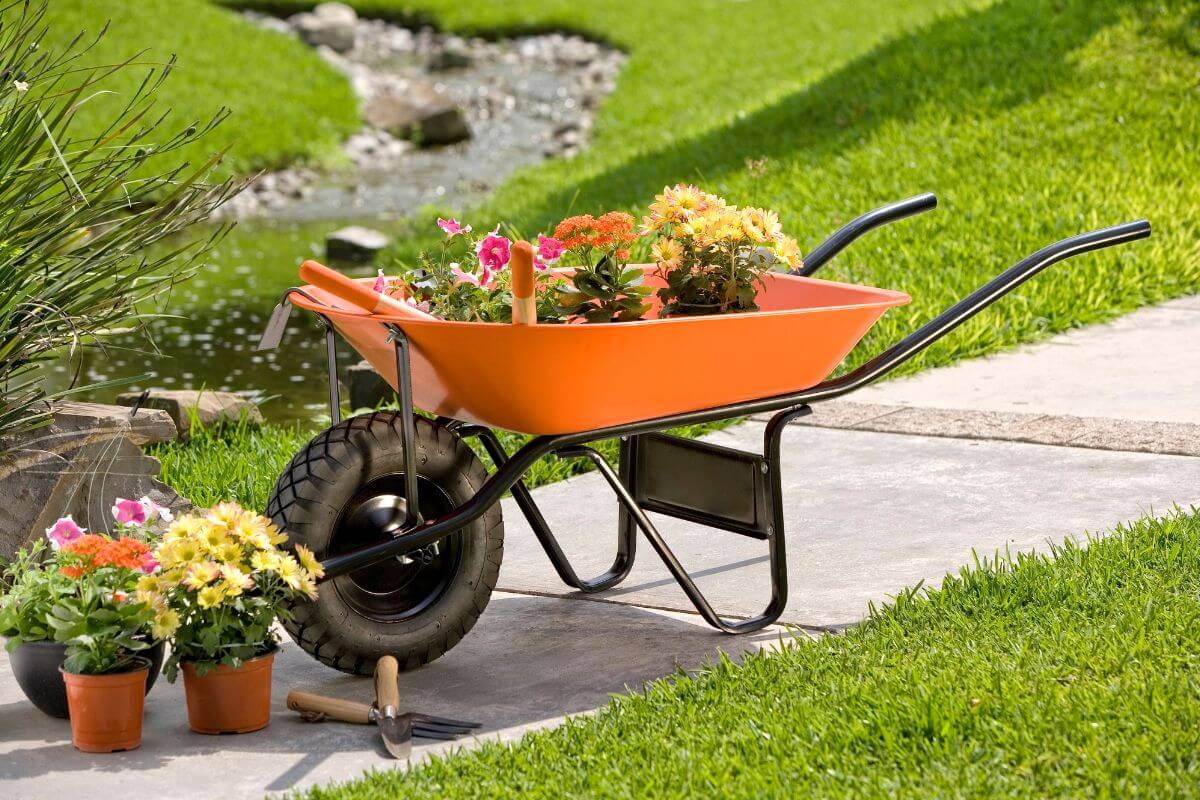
<point>214,324</point>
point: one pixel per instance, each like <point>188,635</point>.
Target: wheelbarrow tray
<point>556,379</point>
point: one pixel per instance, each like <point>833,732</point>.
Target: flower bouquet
<point>224,581</point>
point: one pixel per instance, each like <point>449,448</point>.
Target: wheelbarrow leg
<point>626,535</point>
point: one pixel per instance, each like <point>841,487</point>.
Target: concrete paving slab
<point>1102,433</point>
<point>1143,366</point>
<point>868,514</point>
<point>528,661</point>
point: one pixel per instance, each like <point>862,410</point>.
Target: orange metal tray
<point>553,379</point>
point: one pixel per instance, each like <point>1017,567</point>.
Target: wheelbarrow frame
<point>756,508</point>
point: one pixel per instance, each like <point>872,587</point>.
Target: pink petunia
<point>452,227</point>
<point>155,511</point>
<point>63,532</point>
<point>494,252</point>
<point>549,248</point>
<point>380,284</point>
<point>462,276</point>
<point>149,563</point>
<point>129,512</point>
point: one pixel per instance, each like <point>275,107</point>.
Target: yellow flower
<point>290,571</point>
<point>183,528</point>
<point>226,515</point>
<point>230,552</point>
<point>200,575</point>
<point>760,225</point>
<point>667,253</point>
<point>309,561</point>
<point>210,596</point>
<point>254,531</point>
<point>234,580</point>
<point>164,624</point>
<point>788,251</point>
<point>308,585</point>
<point>149,584</point>
<point>278,537</point>
<point>213,538</point>
<point>178,553</point>
<point>264,561</point>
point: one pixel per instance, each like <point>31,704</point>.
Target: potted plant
<point>226,580</point>
<point>602,288</point>
<point>35,584</point>
<point>710,254</point>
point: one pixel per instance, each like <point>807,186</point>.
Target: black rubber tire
<point>307,503</point>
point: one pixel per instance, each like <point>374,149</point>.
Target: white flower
<point>21,86</point>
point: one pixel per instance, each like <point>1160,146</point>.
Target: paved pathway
<point>901,485</point>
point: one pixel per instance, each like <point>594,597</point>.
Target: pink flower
<point>493,252</point>
<point>63,532</point>
<point>149,563</point>
<point>452,227</point>
<point>155,511</point>
<point>129,512</point>
<point>380,284</point>
<point>549,248</point>
<point>462,276</point>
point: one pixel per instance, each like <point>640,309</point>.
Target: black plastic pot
<point>35,666</point>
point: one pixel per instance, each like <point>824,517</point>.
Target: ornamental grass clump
<point>225,577</point>
<point>712,255</point>
<point>80,212</point>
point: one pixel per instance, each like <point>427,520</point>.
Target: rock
<point>448,58</point>
<point>332,25</point>
<point>355,243</point>
<point>421,112</point>
<point>367,389</point>
<point>209,408</point>
<point>87,457</point>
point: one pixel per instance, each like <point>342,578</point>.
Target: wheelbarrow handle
<point>843,236</point>
<point>975,302</point>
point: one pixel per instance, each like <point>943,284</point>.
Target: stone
<point>448,58</point>
<point>332,25</point>
<point>355,243</point>
<point>209,408</point>
<point>366,388</point>
<point>420,112</point>
<point>87,456</point>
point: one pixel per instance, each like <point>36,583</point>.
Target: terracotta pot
<point>106,710</point>
<point>228,700</point>
<point>35,666</point>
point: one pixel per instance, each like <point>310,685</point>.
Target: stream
<point>524,100</point>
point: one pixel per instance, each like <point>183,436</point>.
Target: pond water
<point>216,318</point>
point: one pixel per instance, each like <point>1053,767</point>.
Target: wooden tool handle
<point>524,310</point>
<point>355,292</point>
<point>387,690</point>
<point>333,707</point>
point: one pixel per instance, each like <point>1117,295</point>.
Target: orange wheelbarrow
<point>406,518</point>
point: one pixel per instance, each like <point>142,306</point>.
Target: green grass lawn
<point>1034,677</point>
<point>286,103</point>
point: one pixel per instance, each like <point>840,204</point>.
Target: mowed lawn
<point>1071,677</point>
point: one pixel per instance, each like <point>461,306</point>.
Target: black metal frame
<point>635,494</point>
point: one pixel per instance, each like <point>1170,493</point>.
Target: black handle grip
<point>843,236</point>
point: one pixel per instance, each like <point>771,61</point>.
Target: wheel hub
<point>401,587</point>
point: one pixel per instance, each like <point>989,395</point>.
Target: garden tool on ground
<point>396,728</point>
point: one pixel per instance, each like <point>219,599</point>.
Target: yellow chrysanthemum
<point>308,585</point>
<point>289,571</point>
<point>182,528</point>
<point>760,225</point>
<point>200,575</point>
<point>234,581</point>
<point>178,553</point>
<point>278,537</point>
<point>211,596</point>
<point>667,253</point>
<point>264,561</point>
<point>788,251</point>
<point>230,552</point>
<point>225,515</point>
<point>309,561</point>
<point>149,584</point>
<point>213,537</point>
<point>164,624</point>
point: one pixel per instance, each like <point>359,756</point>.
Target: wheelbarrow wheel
<point>346,490</point>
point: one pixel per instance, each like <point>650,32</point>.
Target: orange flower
<point>584,230</point>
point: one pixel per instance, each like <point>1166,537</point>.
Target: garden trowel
<point>396,728</point>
